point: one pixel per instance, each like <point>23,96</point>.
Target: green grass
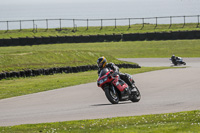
<point>180,122</point>
<point>137,28</point>
<point>74,54</point>
<point>22,86</point>
<point>17,60</point>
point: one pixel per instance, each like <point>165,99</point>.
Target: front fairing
<point>119,84</point>
<point>104,77</point>
<point>130,78</point>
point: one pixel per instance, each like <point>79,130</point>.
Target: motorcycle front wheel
<point>112,96</point>
<point>136,96</point>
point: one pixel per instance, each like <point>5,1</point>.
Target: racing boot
<point>128,90</point>
<point>133,90</point>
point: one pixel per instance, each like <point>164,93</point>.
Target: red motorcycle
<point>116,89</point>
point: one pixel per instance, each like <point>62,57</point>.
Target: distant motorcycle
<point>177,61</point>
<point>116,89</point>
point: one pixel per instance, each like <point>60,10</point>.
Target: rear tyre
<point>111,96</point>
<point>136,96</point>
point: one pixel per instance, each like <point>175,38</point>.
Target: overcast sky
<point>74,1</point>
<point>39,9</point>
<point>52,1</point>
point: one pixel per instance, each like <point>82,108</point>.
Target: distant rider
<point>102,63</point>
<point>175,59</point>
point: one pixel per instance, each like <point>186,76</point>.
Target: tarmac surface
<point>163,91</point>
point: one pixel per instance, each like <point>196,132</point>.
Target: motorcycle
<point>116,89</point>
<point>178,61</point>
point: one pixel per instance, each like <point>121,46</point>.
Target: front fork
<point>112,88</point>
<point>134,90</point>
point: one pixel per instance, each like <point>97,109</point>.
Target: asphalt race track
<point>162,91</point>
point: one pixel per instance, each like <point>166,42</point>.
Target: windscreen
<point>103,72</point>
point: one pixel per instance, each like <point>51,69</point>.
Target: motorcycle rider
<point>102,63</point>
<point>175,59</point>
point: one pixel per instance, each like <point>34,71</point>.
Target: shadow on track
<point>109,104</point>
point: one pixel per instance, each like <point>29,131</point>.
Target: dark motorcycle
<point>177,61</point>
<point>116,89</point>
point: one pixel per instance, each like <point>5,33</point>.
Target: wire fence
<point>74,23</point>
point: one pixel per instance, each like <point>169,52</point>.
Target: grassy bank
<point>23,86</point>
<point>186,122</point>
<point>58,55</point>
<point>137,28</point>
<point>17,60</point>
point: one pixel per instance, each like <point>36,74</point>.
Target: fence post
<point>129,21</point>
<point>198,21</point>
<point>7,26</point>
<point>33,25</point>
<point>142,23</point>
<point>170,22</point>
<point>115,23</point>
<point>60,25</point>
<point>101,23</point>
<point>184,21</point>
<point>74,23</point>
<point>20,23</point>
<point>87,24</point>
<point>47,24</point>
<point>156,22</point>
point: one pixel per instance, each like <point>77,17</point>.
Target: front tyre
<point>112,96</point>
<point>136,96</point>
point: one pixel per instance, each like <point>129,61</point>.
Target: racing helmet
<point>173,56</point>
<point>101,62</point>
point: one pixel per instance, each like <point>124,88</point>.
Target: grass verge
<point>187,122</point>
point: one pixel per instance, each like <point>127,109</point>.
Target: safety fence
<point>173,35</point>
<point>51,71</point>
<point>74,23</point>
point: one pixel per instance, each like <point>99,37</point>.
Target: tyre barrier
<point>51,71</point>
<point>173,35</point>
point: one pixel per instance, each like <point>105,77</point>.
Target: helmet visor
<point>100,65</point>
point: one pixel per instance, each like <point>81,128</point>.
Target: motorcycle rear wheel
<point>136,97</point>
<point>111,96</point>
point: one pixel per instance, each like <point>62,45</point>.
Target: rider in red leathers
<point>102,63</point>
